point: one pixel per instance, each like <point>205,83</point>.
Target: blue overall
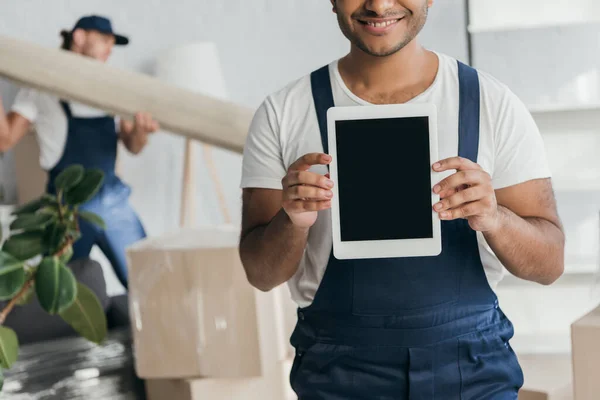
<point>92,142</point>
<point>418,328</point>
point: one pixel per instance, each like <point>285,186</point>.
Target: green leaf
<point>86,315</point>
<point>51,209</point>
<point>8,263</point>
<point>29,207</point>
<point>1,380</point>
<point>93,219</point>
<point>55,236</point>
<point>31,222</point>
<point>55,286</point>
<point>69,177</point>
<point>86,189</point>
<point>9,347</point>
<point>35,204</point>
<point>24,246</point>
<point>11,283</point>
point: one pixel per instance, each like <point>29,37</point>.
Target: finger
<point>301,192</point>
<point>464,211</point>
<point>146,122</point>
<point>449,192</point>
<point>155,126</point>
<point>461,197</point>
<point>308,160</point>
<point>459,179</point>
<point>457,163</point>
<point>306,178</point>
<point>298,206</point>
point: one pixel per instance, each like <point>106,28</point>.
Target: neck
<point>412,66</point>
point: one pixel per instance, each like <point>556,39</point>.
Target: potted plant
<point>33,260</point>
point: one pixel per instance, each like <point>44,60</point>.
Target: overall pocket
<point>489,367</point>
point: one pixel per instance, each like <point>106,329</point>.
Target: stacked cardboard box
<point>200,330</point>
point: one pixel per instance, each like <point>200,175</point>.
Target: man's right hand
<point>304,192</point>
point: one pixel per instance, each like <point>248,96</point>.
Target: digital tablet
<point>382,158</point>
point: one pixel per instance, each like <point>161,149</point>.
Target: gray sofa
<point>32,324</point>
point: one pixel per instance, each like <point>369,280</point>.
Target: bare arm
<point>134,134</point>
<point>271,246</point>
<point>12,128</point>
<point>530,239</point>
<point>275,223</point>
<point>520,222</point>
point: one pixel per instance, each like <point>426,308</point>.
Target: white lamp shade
<point>193,66</point>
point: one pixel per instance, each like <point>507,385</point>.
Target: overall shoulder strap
<point>469,112</point>
<point>323,98</point>
<point>66,108</point>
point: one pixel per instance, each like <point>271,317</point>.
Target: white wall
<point>513,14</point>
<point>548,53</point>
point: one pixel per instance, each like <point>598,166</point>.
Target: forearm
<point>529,248</point>
<point>271,253</point>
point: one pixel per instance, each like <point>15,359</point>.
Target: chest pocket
<point>393,286</point>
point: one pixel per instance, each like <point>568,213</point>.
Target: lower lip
<point>378,30</point>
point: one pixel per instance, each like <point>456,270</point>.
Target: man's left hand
<point>144,124</point>
<point>468,194</point>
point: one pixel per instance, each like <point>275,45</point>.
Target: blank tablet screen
<point>384,179</point>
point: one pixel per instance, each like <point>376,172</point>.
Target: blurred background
<point>547,52</point>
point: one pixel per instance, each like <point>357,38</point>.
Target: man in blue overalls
<point>72,133</point>
<point>411,328</point>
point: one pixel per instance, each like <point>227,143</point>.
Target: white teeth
<point>381,24</point>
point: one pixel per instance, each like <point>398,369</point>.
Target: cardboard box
<point>275,386</point>
<point>547,377</point>
<point>585,341</point>
<point>193,312</point>
<point>31,178</point>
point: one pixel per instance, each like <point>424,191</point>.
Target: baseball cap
<point>100,24</point>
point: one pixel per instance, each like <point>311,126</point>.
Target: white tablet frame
<point>394,247</point>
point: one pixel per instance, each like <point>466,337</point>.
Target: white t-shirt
<point>44,110</point>
<point>285,127</point>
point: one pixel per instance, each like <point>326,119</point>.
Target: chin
<point>379,50</point>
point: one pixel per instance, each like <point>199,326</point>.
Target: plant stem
<point>15,299</point>
<point>64,247</point>
<point>60,209</point>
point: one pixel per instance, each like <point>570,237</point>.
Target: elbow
<point>553,275</point>
<point>262,286</point>
<point>258,280</point>
<point>555,270</point>
<point>256,276</point>
<point>559,266</point>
